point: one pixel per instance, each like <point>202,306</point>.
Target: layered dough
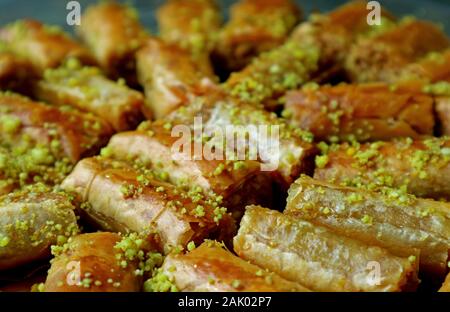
<point>318,258</point>
<point>254,27</point>
<point>418,167</point>
<point>31,220</point>
<point>238,183</point>
<point>42,45</point>
<point>91,263</point>
<point>399,223</point>
<point>211,268</point>
<point>169,76</point>
<point>122,199</point>
<point>86,88</point>
<point>113,34</point>
<point>384,56</point>
<point>193,26</point>
<point>365,112</point>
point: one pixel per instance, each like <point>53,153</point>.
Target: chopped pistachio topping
<point>322,161</point>
<point>4,240</point>
<point>190,246</point>
<point>367,219</point>
<point>160,282</point>
<point>236,284</point>
<point>9,124</point>
<point>439,88</point>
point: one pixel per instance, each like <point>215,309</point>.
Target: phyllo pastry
<point>397,222</point>
<point>96,262</point>
<point>432,68</point>
<point>88,89</point>
<point>384,56</point>
<point>168,75</point>
<point>255,26</point>
<point>193,26</point>
<point>31,221</point>
<point>314,52</point>
<point>419,167</point>
<point>41,143</point>
<point>365,112</point>
<point>113,33</point>
<point>42,45</point>
<point>318,258</point>
<point>212,268</point>
<point>237,182</point>
<point>120,198</point>
<point>75,133</point>
<point>284,151</point>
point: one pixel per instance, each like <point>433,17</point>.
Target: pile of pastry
<point>93,190</point>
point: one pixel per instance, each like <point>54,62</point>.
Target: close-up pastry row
<point>95,196</point>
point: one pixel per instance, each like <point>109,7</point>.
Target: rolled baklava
<point>254,27</point>
<point>31,221</point>
<point>318,258</point>
<point>418,167</point>
<point>282,149</point>
<point>168,75</point>
<point>365,112</point>
<point>41,143</point>
<point>238,183</point>
<point>383,57</point>
<point>192,25</point>
<point>93,262</point>
<point>113,33</point>
<point>211,268</point>
<point>120,198</point>
<point>394,221</point>
<point>315,52</point>
<point>88,89</point>
<point>42,45</point>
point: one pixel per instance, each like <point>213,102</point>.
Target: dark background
<point>54,11</point>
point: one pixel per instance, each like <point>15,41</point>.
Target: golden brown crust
<point>217,109</point>
<point>419,167</point>
<point>41,143</point>
<point>403,225</point>
<point>113,33</point>
<point>122,199</point>
<point>434,67</point>
<point>79,134</point>
<point>210,267</point>
<point>169,77</point>
<point>383,57</point>
<point>254,27</point>
<point>88,263</point>
<point>364,112</point>
<point>314,52</point>
<point>239,183</point>
<point>44,46</point>
<point>87,89</point>
<point>32,220</point>
<point>193,26</point>
<point>316,257</point>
